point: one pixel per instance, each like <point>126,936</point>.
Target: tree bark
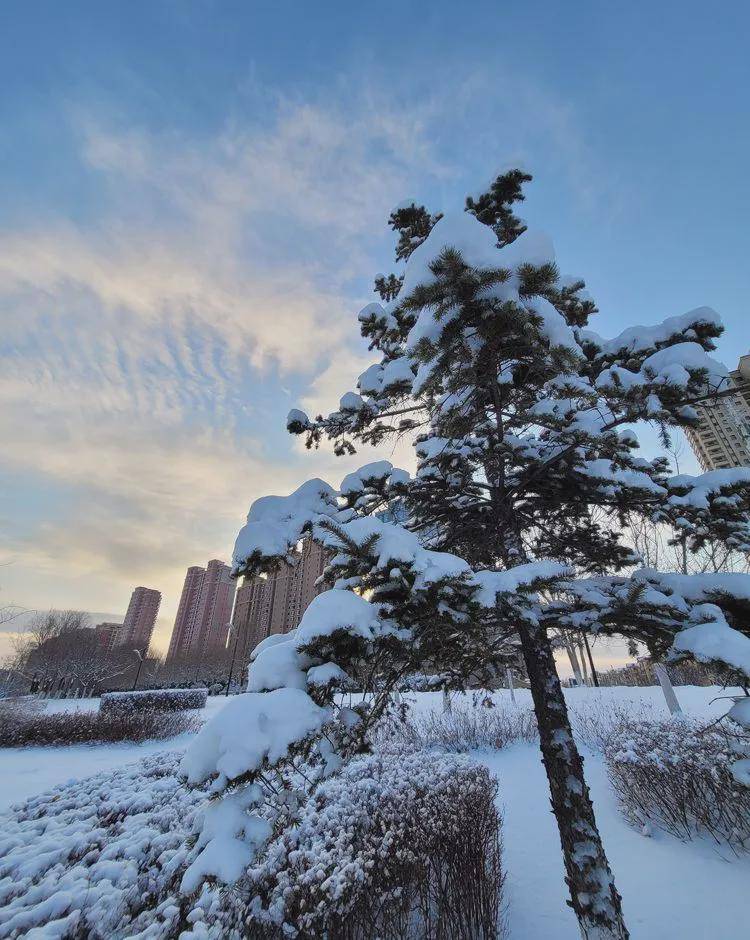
<point>575,665</point>
<point>584,667</point>
<point>593,895</point>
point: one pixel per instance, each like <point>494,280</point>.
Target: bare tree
<point>60,652</point>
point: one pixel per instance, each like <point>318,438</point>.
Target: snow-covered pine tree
<point>525,458</point>
<point>393,608</point>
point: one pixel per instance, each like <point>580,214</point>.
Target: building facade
<point>191,590</point>
<point>140,619</point>
<point>202,622</point>
<point>722,438</point>
<point>275,603</point>
<point>107,636</point>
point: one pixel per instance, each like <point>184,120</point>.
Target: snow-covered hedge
<point>678,775</point>
<point>163,699</point>
<point>391,842</point>
<point>397,845</point>
<point>19,728</point>
<point>85,859</point>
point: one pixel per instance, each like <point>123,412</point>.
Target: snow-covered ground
<point>670,889</point>
<point>29,771</point>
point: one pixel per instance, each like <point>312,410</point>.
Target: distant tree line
<point>61,655</point>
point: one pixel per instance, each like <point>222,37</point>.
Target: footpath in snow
<point>29,771</point>
<point>671,890</point>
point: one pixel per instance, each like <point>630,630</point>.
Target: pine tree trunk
<point>594,897</point>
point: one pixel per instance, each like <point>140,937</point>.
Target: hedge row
<point>161,699</point>
<point>27,729</point>
<point>394,846</point>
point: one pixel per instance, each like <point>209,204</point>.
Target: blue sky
<point>194,197</point>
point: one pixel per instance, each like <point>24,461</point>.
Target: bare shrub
<point>58,851</point>
<point>23,729</point>
<point>152,699</point>
<point>463,728</point>
<point>20,705</point>
<point>641,673</point>
<point>596,723</point>
<point>677,776</point>
<point>394,846</point>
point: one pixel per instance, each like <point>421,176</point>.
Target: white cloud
<point>142,352</point>
<point>146,351</point>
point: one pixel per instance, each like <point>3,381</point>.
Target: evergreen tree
<point>525,454</point>
<point>527,472</point>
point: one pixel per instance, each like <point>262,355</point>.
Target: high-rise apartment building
<point>722,438</point>
<point>204,612</point>
<point>140,619</point>
<point>191,590</point>
<point>107,635</point>
<point>275,603</point>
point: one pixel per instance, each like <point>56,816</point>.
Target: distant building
<point>140,619</point>
<point>722,438</point>
<point>191,590</point>
<point>275,603</point>
<point>107,636</point>
<point>202,622</point>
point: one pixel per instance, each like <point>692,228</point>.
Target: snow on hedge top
<point>153,693</point>
<point>276,523</point>
<point>250,729</point>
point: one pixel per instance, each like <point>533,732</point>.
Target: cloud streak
<point>144,352</point>
<point>150,348</point>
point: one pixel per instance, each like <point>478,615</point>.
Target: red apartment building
<point>275,603</point>
<point>204,612</point>
<point>139,620</point>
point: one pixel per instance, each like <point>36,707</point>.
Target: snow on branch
<point>276,523</point>
<point>712,640</point>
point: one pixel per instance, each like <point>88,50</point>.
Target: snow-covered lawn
<point>29,771</point>
<point>670,889</point>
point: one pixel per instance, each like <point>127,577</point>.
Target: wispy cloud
<point>142,352</point>
<point>149,347</point>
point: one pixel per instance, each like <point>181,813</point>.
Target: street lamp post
<point>232,626</point>
<point>139,654</point>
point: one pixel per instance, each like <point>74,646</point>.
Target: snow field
<point>670,889</point>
